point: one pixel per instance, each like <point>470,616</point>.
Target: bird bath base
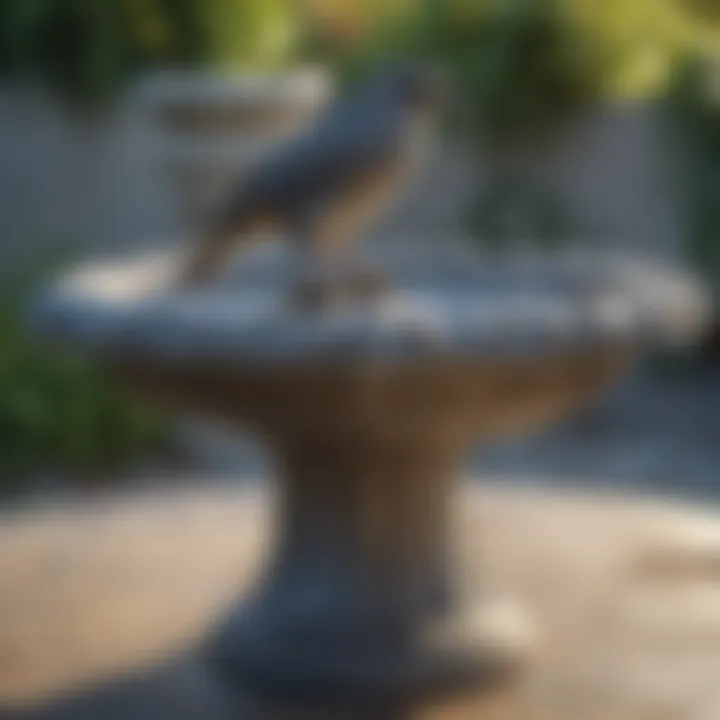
<point>360,603</point>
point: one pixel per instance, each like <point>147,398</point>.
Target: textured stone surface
<point>92,592</point>
<point>464,308</point>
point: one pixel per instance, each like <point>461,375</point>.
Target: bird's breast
<point>379,186</point>
<point>416,151</point>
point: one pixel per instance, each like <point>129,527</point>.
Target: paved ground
<point>104,605</point>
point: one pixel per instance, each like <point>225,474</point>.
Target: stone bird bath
<point>369,410</point>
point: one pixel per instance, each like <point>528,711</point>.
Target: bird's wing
<point>329,158</point>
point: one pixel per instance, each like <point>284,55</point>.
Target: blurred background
<point>593,122</point>
<point>580,122</point>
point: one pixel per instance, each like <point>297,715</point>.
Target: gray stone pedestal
<point>360,602</point>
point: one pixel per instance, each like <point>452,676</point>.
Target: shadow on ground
<point>184,689</point>
<point>178,691</point>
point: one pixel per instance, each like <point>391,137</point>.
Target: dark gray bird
<point>324,188</point>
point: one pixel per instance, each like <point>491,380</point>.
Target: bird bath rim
<point>493,309</point>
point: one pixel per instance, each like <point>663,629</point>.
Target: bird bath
<point>369,411</point>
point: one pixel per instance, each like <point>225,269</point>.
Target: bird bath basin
<point>369,411</point>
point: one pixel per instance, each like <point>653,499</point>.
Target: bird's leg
<point>320,279</point>
<point>363,280</point>
<point>331,271</point>
<point>350,272</point>
<point>208,260</point>
<point>346,268</point>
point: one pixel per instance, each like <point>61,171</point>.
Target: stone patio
<point>105,603</point>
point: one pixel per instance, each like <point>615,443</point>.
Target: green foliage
<point>58,411</point>
<point>84,49</point>
<point>522,70</point>
<point>255,34</point>
<point>393,32</point>
<point>520,64</point>
<point>695,111</point>
<point>88,49</point>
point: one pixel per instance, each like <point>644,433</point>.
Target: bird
<point>325,187</point>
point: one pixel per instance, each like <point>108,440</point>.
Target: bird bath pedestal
<point>369,411</point>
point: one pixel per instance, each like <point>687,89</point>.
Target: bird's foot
<point>364,284</point>
<point>316,296</point>
<point>330,292</point>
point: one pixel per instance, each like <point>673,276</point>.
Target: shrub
<point>694,106</point>
<point>523,68</point>
<point>87,50</point>
<point>59,412</point>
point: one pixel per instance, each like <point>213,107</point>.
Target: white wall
<point>91,183</point>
